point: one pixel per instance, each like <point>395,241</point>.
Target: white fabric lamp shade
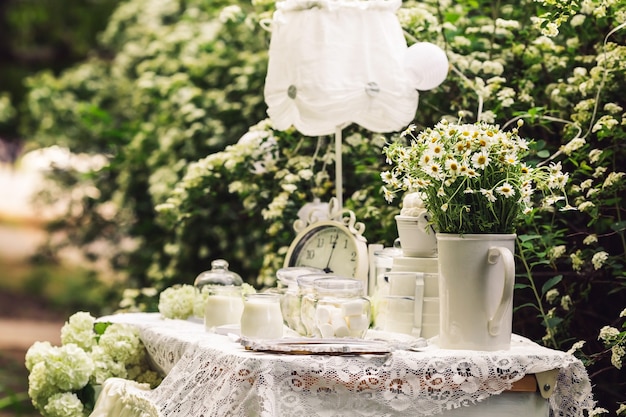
<point>336,62</point>
<point>426,65</point>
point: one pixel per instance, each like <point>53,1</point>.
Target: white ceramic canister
<point>427,321</point>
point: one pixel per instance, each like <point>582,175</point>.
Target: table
<point>213,375</point>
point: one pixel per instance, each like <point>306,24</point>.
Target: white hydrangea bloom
<point>79,330</point>
<point>36,353</point>
<point>65,404</point>
<point>122,343</point>
<point>177,302</point>
<point>69,367</point>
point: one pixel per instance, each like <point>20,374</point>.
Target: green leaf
<point>521,286</point>
<point>550,284</point>
<point>552,322</point>
<point>101,327</point>
<point>543,154</point>
<point>524,238</point>
<point>619,226</point>
<point>531,305</point>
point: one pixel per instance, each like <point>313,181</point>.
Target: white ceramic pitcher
<point>476,279</point>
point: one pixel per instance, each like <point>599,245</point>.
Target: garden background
<point>137,108</point>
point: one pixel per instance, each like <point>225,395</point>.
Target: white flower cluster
<point>62,378</point>
<point>178,302</point>
<point>184,301</point>
<point>616,341</point>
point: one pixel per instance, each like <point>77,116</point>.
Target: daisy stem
<point>533,286</point>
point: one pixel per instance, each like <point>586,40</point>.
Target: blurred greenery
<point>37,35</point>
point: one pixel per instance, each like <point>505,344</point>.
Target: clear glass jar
<point>340,309</point>
<point>383,262</point>
<point>262,318</point>
<point>223,306</point>
<point>307,299</point>
<point>290,300</point>
<point>395,313</point>
<point>218,275</point>
<point>289,275</point>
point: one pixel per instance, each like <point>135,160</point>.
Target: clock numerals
<point>330,248</point>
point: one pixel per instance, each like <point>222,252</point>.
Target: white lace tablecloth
<point>212,375</point>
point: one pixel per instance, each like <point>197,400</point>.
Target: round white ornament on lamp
<point>426,65</point>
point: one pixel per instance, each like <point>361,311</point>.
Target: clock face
<point>331,248</point>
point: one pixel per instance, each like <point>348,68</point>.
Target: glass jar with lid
<point>341,309</point>
<point>218,275</point>
<point>220,289</point>
<point>290,294</point>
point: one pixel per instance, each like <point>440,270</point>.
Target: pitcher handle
<point>494,254</point>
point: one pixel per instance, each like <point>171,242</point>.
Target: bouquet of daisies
<point>472,177</point>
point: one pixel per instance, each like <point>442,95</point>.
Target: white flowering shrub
<point>195,173</point>
<point>182,81</point>
<point>62,379</point>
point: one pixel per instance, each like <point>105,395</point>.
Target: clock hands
<point>330,256</point>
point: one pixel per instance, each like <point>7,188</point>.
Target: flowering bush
<point>63,380</point>
<point>472,176</point>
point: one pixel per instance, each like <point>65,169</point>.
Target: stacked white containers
<point>415,272</point>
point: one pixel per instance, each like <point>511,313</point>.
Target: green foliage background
<point>176,84</point>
